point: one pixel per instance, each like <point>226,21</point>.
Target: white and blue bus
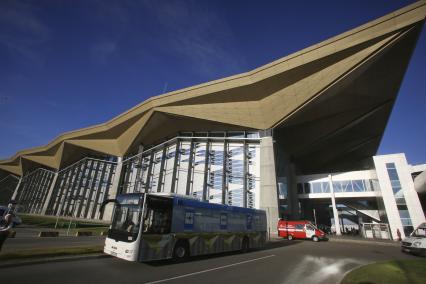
<point>154,226</point>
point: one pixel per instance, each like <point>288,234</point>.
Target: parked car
<point>416,242</point>
<point>16,220</point>
<point>300,230</point>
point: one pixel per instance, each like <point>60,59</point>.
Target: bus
<point>156,226</point>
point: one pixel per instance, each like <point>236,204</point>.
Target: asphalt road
<point>281,262</point>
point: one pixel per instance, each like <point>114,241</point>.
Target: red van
<point>300,230</point>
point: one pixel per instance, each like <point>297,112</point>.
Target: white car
<point>416,242</point>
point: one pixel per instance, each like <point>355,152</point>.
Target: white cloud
<point>198,34</point>
<point>101,51</point>
<point>22,31</point>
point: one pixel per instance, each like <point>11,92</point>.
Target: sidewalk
<point>351,239</point>
<point>360,240</point>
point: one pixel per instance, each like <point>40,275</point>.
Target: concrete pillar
<point>113,190</point>
<point>15,193</point>
<point>292,197</point>
<point>268,184</point>
<point>49,194</point>
<point>333,204</point>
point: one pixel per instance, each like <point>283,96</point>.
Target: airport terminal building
<point>296,137</point>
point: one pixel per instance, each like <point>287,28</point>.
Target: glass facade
<point>398,193</point>
<point>217,167</point>
<point>81,188</point>
<point>32,192</point>
<point>360,185</point>
<point>7,187</point>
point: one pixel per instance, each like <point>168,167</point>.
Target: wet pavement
<point>281,261</point>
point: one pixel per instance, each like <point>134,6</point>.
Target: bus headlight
<point>128,251</point>
<point>416,244</point>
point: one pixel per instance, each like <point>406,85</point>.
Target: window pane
<point>337,186</point>
<point>358,185</point>
<point>390,165</point>
<point>346,186</point>
<point>400,201</point>
<point>217,134</point>
<point>252,134</point>
<point>393,175</point>
<point>307,188</point>
<point>395,183</point>
<point>316,187</point>
<point>325,187</point>
<point>404,214</point>
<point>299,188</point>
<point>236,134</point>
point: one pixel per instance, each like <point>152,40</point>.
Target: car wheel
<point>290,237</point>
<point>181,250</point>
<point>315,238</point>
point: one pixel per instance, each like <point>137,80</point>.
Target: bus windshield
<point>126,221</point>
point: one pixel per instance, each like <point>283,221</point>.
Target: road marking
<point>208,270</point>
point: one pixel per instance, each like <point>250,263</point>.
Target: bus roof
<point>185,200</point>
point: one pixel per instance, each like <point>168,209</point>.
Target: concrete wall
<point>410,195</point>
<point>268,184</point>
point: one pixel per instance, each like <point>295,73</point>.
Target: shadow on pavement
<point>268,246</point>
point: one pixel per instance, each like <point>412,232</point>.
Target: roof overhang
<point>295,94</point>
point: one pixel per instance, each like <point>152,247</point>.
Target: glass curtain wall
<point>399,198</point>
<point>217,167</point>
<point>361,185</point>
<point>32,192</point>
<point>81,188</point>
<point>7,188</point>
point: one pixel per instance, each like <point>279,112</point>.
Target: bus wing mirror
<point>115,201</point>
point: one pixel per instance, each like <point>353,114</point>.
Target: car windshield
<point>126,221</point>
<point>419,232</point>
<point>310,227</point>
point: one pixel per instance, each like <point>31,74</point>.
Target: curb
<point>42,260</point>
<point>364,242</point>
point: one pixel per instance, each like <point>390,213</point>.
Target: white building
<point>385,194</point>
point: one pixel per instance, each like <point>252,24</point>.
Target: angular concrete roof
<point>272,96</point>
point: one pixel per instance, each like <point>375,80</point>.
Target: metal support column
<point>206,170</point>
<point>114,190</point>
<point>190,162</point>
<point>49,194</point>
<point>224,172</point>
<point>333,203</point>
<point>175,166</point>
<point>245,174</point>
<point>162,170</point>
<point>15,192</point>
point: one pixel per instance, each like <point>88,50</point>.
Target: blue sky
<point>65,65</point>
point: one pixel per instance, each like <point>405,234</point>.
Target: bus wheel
<point>181,250</point>
<point>290,237</point>
<point>315,239</point>
<point>245,245</point>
